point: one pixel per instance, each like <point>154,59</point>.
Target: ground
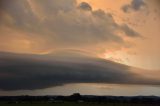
<point>75,104</point>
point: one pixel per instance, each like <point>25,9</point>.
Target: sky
<point>98,47</point>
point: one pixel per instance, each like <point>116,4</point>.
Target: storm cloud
<point>135,5</point>
<point>29,72</point>
<point>85,6</point>
<point>58,24</point>
<point>130,32</point>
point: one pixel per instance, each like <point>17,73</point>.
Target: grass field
<point>75,104</point>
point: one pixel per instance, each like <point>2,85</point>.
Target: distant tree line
<point>76,97</point>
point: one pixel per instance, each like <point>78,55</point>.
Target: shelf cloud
<point>29,72</point>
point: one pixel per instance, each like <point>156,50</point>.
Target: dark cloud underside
<point>28,72</point>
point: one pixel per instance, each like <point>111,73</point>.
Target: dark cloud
<point>85,6</point>
<point>135,5</point>
<point>129,31</point>
<point>28,72</point>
